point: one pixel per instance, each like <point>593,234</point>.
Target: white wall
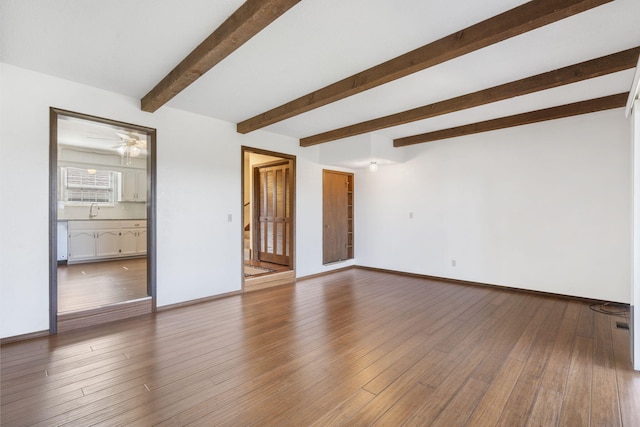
<point>199,253</point>
<point>544,207</point>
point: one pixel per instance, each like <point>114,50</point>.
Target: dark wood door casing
<point>54,114</point>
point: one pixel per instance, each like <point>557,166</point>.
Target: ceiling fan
<point>131,145</point>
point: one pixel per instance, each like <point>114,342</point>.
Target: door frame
<point>244,172</point>
<point>53,206</point>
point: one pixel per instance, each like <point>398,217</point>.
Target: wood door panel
<point>337,238</point>
<point>274,213</point>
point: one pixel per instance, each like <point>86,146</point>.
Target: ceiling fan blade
<point>103,139</point>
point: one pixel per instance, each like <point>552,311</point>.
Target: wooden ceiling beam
<point>529,16</point>
<point>247,21</point>
<point>572,74</point>
<point>568,110</point>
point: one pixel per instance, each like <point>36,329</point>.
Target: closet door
<point>337,214</point>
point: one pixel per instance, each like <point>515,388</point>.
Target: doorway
<point>268,218</point>
<point>102,220</point>
<point>337,216</point>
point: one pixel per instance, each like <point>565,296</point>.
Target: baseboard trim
<point>325,273</point>
<point>270,280</point>
<point>488,285</point>
<point>196,301</point>
<point>23,337</point>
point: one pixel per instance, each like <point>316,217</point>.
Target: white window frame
<point>86,186</point>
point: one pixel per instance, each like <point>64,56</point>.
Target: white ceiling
<point>97,137</point>
<point>129,46</point>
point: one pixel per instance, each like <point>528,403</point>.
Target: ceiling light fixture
<point>131,151</point>
<point>373,167</point>
<point>134,151</point>
<point>132,145</point>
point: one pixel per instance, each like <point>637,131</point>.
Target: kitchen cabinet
<point>141,242</point>
<point>133,238</point>
<point>128,242</point>
<point>96,240</point>
<point>108,243</point>
<point>134,186</point>
<point>91,244</point>
<point>82,245</point>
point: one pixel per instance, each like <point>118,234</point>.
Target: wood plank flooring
<point>97,284</point>
<point>354,348</point>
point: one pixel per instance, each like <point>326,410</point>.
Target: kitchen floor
<point>97,284</point>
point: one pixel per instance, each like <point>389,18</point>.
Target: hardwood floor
<point>355,348</point>
<point>96,284</point>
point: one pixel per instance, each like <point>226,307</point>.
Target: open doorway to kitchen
<point>268,219</point>
<point>102,248</point>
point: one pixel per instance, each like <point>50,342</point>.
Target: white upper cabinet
<point>134,186</point>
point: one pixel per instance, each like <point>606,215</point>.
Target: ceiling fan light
<point>373,167</point>
<point>121,150</point>
<point>134,151</point>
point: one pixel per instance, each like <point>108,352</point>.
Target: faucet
<point>92,213</point>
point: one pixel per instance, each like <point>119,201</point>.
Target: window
<point>85,186</point>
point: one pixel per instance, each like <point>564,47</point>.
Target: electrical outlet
<point>229,218</point>
<point>453,263</point>
<point>410,215</point>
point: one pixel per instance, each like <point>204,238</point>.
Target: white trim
<point>634,92</point>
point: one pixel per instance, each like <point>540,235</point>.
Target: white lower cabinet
<point>94,240</point>
<point>108,243</point>
<point>128,242</point>
<point>82,245</point>
<point>133,239</point>
<point>141,242</point>
<point>133,242</point>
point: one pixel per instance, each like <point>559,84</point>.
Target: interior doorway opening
<point>268,218</point>
<point>102,247</point>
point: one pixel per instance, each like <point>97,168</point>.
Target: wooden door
<point>337,216</point>
<point>272,186</point>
